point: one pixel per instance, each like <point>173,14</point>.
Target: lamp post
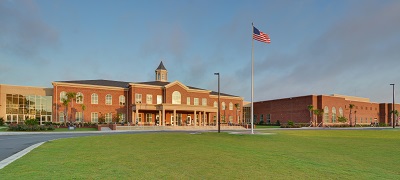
<point>219,122</point>
<point>393,116</point>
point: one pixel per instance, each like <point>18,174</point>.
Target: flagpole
<point>252,77</point>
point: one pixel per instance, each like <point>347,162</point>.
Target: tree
<point>351,106</point>
<point>317,112</point>
<point>310,108</point>
<point>69,96</point>
<point>396,113</point>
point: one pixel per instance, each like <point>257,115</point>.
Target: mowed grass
<point>283,154</point>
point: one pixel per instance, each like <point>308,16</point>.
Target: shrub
<point>290,123</point>
<point>278,123</point>
<point>31,122</point>
<point>261,122</point>
<point>1,121</point>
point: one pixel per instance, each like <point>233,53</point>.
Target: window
<point>188,100</point>
<point>138,98</point>
<point>230,106</point>
<point>230,119</point>
<point>108,99</point>
<point>63,95</point>
<point>95,98</point>
<point>196,101</point>
<point>204,101</point>
<point>333,114</point>
<point>176,97</point>
<point>326,114</point>
<point>223,105</point>
<point>122,117</point>
<point>149,99</point>
<point>95,117</point>
<point>159,99</point>
<point>61,117</point>
<point>79,98</point>
<point>268,118</point>
<point>78,116</point>
<point>139,117</point>
<point>149,118</point>
<point>223,118</point>
<point>215,104</point>
<point>262,118</point>
<point>108,117</point>
<point>340,112</point>
<point>122,100</point>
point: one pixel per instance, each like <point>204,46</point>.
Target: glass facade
<point>20,108</point>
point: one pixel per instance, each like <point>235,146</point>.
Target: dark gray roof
<point>154,83</point>
<point>222,94</point>
<point>161,66</point>
<point>100,82</point>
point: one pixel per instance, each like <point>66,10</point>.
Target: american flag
<point>260,36</point>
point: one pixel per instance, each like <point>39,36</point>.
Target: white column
<point>137,115</point>
<point>175,118</point>
<point>204,118</point>
<point>163,116</point>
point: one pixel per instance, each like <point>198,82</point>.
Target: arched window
<point>108,99</point>
<point>326,114</point>
<point>340,112</point>
<point>63,95</point>
<point>223,106</point>
<point>176,97</point>
<point>333,114</point>
<point>215,104</point>
<point>230,106</point>
<point>95,98</point>
<point>122,100</point>
<point>79,98</point>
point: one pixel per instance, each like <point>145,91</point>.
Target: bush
<point>1,122</point>
<point>278,123</point>
<point>261,122</point>
<point>290,123</point>
<point>31,122</point>
<point>24,127</point>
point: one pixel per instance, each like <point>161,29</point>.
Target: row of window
<point>94,98</point>
<point>93,118</point>
<point>176,99</point>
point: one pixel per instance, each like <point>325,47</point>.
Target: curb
<point>18,155</point>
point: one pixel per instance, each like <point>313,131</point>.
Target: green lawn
<point>283,154</point>
<point>3,128</point>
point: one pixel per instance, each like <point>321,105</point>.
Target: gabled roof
<point>161,66</point>
<point>99,82</point>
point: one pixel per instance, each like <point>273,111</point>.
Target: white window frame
<point>122,117</point>
<point>61,116</point>
<point>94,117</point>
<point>204,101</point>
<point>108,117</point>
<point>223,106</point>
<point>176,97</point>
<point>78,116</point>
<point>196,101</point>
<point>230,106</point>
<point>149,117</point>
<point>79,98</point>
<point>94,99</point>
<point>108,99</point>
<point>187,100</point>
<point>138,98</point>
<point>122,100</point>
<point>159,99</point>
<point>149,99</point>
<point>63,95</point>
<point>215,104</point>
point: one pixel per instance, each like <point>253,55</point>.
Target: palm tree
<point>317,112</point>
<point>71,96</point>
<point>351,106</point>
<point>396,113</point>
<point>310,108</point>
<point>65,102</point>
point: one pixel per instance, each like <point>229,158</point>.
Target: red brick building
<point>331,106</point>
<point>156,102</point>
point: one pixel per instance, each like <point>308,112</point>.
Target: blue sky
<point>317,47</point>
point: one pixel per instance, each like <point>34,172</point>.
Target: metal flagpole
<point>252,77</point>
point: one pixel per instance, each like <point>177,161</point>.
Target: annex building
<point>331,107</point>
<point>158,102</point>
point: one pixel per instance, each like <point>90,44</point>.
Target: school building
<point>331,107</point>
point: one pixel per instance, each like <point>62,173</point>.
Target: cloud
<point>22,31</point>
